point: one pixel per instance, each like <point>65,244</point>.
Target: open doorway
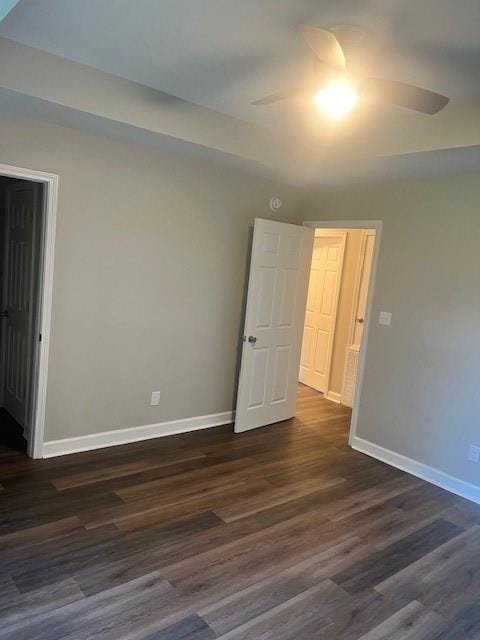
<point>27,211</point>
<point>277,311</point>
<point>48,184</point>
<point>21,233</point>
<point>336,310</point>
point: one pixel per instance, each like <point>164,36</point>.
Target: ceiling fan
<point>336,93</point>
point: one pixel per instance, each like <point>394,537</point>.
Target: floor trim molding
<point>333,396</point>
<point>115,437</point>
<point>423,471</point>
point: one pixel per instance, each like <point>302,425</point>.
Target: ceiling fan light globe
<point>336,100</point>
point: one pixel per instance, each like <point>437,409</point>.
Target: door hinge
<point>39,337</point>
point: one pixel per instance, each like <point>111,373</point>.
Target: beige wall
<point>345,309</point>
<point>150,266</point>
<point>421,393</point>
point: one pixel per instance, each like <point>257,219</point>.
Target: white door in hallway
<point>277,292</point>
<point>321,312</point>
<point>23,203</point>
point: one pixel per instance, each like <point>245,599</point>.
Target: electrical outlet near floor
<point>385,318</point>
<point>155,399</point>
<point>474,453</point>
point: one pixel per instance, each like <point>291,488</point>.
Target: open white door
<point>277,295</point>
<point>22,239</point>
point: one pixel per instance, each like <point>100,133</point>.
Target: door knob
<point>4,314</point>
<point>252,339</point>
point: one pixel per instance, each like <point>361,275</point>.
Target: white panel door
<point>277,292</point>
<point>321,312</point>
<point>22,210</point>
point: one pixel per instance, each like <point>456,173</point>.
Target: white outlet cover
<point>155,398</point>
<point>385,318</point>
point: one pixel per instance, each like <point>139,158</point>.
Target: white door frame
<point>358,283</point>
<point>40,364</point>
<point>348,225</point>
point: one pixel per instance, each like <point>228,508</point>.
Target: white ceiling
<point>224,53</point>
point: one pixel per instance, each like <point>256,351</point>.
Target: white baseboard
<point>134,434</point>
<point>423,471</point>
<point>334,396</point>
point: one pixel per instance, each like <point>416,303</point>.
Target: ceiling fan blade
<point>325,46</point>
<point>280,95</point>
<point>405,95</point>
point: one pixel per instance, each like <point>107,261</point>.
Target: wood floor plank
<point>33,535</point>
<point>243,606</point>
<point>153,510</point>
<point>190,628</point>
<point>365,612</point>
<point>465,625</point>
<point>424,500</point>
<point>44,509</point>
<point>447,579</point>
<point>387,562</point>
<point>21,608</point>
<point>357,501</point>
<point>110,615</point>
<point>209,475</point>
<point>227,569</point>
<point>8,589</point>
<point>144,550</point>
<point>273,497</point>
<point>306,615</point>
<point>116,471</point>
<point>412,622</point>
<point>52,561</point>
<point>383,524</point>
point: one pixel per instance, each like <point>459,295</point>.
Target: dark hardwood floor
<point>279,533</point>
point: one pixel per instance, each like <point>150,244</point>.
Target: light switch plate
<point>155,398</point>
<point>474,453</point>
<point>385,318</point>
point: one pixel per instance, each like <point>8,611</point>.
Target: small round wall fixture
<point>275,204</point>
